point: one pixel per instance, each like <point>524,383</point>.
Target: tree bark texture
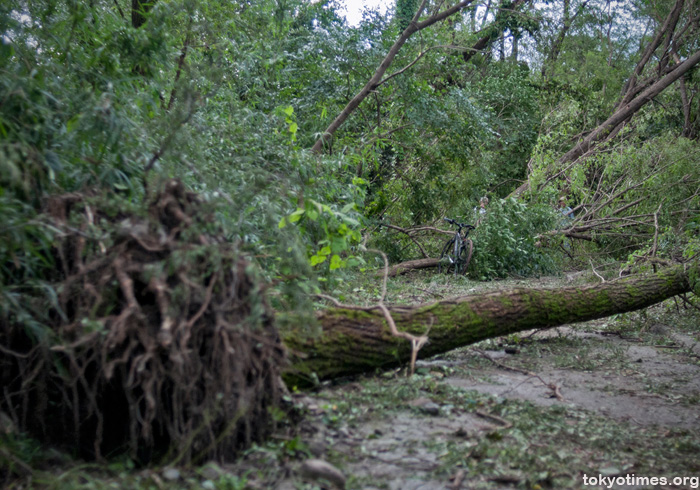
<point>354,341</point>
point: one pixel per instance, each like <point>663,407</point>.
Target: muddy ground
<point>616,397</point>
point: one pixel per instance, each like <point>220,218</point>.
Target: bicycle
<point>457,252</point>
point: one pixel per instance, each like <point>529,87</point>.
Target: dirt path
<point>632,383</point>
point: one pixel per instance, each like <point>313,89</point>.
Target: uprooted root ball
<point>159,340</point>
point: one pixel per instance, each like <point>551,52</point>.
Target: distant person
<point>567,216</point>
<point>565,210</point>
<point>481,210</point>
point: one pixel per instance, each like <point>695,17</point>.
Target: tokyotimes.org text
<point>636,480</point>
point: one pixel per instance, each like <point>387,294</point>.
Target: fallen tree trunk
<point>409,265</point>
<point>354,341</point>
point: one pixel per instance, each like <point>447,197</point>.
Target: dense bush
<point>506,242</point>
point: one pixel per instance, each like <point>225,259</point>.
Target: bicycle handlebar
<point>461,225</point>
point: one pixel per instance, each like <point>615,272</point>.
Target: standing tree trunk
<point>358,340</point>
<point>494,31</point>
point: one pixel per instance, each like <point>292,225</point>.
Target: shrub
<point>505,240</point>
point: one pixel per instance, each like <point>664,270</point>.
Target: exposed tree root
<point>161,343</point>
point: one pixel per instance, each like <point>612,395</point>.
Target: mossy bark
<point>356,341</point>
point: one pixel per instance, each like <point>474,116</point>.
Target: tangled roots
<point>160,341</point>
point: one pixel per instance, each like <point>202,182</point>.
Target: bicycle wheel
<point>447,259</point>
<point>457,254</point>
<point>465,256</point>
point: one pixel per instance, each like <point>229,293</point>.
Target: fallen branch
<point>495,418</point>
<point>457,480</point>
<point>403,267</point>
<point>553,387</point>
<point>407,232</point>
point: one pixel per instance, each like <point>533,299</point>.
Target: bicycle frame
<point>458,250</point>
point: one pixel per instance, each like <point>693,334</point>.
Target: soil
<point>622,396</point>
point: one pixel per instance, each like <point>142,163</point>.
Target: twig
<point>596,272</point>
<point>561,245</point>
<point>416,342</point>
<point>121,12</point>
<point>687,302</point>
<point>555,389</point>
<point>386,274</point>
<point>180,65</point>
<point>457,480</point>
<point>430,228</point>
<point>167,141</point>
<point>437,295</point>
<point>656,234</point>
<point>501,421</point>
<point>16,354</point>
<point>420,55</point>
<point>402,230</point>
<point>23,467</point>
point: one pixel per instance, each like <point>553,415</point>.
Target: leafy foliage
<point>506,242</point>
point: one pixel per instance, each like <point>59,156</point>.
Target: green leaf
<point>325,251</point>
<point>296,215</point>
<point>72,123</point>
<point>354,261</point>
<point>289,110</point>
<point>349,220</point>
<point>6,51</point>
<point>282,223</point>
<point>317,259</point>
<point>336,262</point>
<point>338,244</point>
<point>312,214</point>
